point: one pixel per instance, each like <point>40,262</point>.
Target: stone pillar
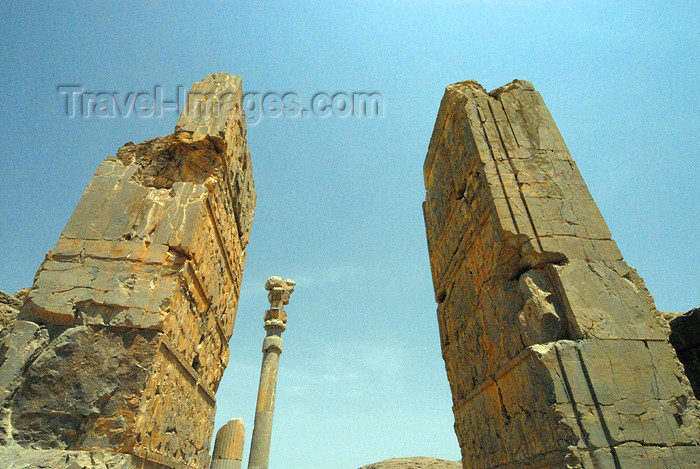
<point>275,323</point>
<point>554,350</point>
<point>127,324</point>
<point>228,446</point>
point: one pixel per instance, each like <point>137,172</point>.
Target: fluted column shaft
<point>228,447</point>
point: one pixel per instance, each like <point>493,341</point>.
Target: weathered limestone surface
<point>16,457</point>
<point>554,350</point>
<point>228,446</point>
<point>685,338</point>
<point>10,305</point>
<point>414,463</point>
<point>123,338</point>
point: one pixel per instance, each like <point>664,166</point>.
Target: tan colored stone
<point>137,301</point>
<point>228,446</point>
<point>414,463</point>
<point>9,306</point>
<point>554,350</point>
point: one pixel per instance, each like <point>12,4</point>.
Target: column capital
<point>280,290</point>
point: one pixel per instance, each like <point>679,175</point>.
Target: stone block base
<point>586,403</point>
<point>17,457</point>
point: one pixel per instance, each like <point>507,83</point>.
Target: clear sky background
<point>339,200</point>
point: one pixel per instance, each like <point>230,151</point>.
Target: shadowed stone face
<point>554,350</point>
<point>685,337</point>
<point>124,334</point>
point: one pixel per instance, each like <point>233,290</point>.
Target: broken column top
<point>211,106</point>
<point>229,441</point>
<point>286,285</point>
<point>280,290</point>
<point>513,85</point>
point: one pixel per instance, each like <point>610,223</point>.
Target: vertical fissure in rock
<point>577,413</point>
<point>599,411</point>
<point>515,173</point>
<point>500,177</point>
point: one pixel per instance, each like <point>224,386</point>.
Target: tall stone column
<point>275,323</point>
<point>228,447</point>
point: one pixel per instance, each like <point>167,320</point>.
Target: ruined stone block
<point>554,350</point>
<point>123,338</point>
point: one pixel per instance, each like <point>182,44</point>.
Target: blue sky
<point>339,200</point>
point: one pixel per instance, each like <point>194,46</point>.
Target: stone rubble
<point>10,305</point>
<point>414,463</point>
